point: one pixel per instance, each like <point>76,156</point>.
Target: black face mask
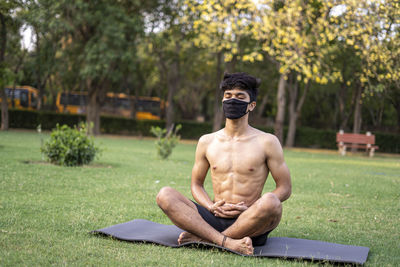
<point>234,108</point>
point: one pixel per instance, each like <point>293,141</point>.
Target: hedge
<point>305,137</point>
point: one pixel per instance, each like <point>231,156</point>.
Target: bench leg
<point>342,150</point>
<point>371,152</point>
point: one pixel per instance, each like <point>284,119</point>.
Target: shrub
<point>70,146</point>
<point>166,140</point>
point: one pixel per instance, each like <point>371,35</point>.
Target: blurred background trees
<point>323,64</point>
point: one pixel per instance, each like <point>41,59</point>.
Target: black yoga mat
<point>278,247</point>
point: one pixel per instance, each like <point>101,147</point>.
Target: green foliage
<point>305,136</point>
<point>129,46</point>
<point>315,138</point>
<point>194,130</point>
<point>113,125</point>
<point>166,140</point>
<point>70,146</point>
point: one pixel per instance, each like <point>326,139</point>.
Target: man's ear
<point>252,106</point>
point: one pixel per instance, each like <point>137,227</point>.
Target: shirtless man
<point>240,158</point>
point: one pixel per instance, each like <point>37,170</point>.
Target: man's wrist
<point>210,207</point>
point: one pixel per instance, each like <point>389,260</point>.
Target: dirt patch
<point>93,165</point>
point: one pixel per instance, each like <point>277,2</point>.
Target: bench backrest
<point>355,138</point>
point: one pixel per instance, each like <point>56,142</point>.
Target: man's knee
<point>270,205</point>
<point>165,196</point>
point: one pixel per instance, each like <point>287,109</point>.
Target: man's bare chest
<point>236,157</point>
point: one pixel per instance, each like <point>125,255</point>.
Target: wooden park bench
<point>350,140</point>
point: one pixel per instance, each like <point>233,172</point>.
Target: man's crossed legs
<point>261,217</point>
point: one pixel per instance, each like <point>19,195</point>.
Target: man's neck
<point>236,128</point>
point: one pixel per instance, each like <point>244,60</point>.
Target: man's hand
<point>227,210</point>
<point>213,208</point>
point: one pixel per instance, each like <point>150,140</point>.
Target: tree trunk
<point>357,114</point>
<point>4,108</point>
<point>345,116</point>
<point>4,103</point>
<point>293,89</point>
<point>173,86</point>
<point>40,98</point>
<point>398,117</point>
<point>134,102</point>
<point>280,114</point>
<point>38,72</point>
<point>295,110</point>
<point>342,100</point>
<point>218,116</point>
<point>169,116</point>
<point>93,109</point>
<point>394,97</point>
<point>231,65</point>
<point>16,70</point>
<point>53,93</point>
<point>41,77</point>
<point>93,114</point>
<point>261,107</point>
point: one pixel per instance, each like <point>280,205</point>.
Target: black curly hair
<point>243,81</point>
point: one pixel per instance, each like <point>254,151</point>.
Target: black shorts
<point>220,224</point>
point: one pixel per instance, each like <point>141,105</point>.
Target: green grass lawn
<point>47,211</point>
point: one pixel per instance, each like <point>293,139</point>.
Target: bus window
<point>33,100</point>
<point>73,99</point>
<point>123,103</point>
<point>117,106</point>
<point>13,93</point>
<point>149,106</point>
<point>24,98</point>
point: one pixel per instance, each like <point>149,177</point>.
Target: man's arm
<point>279,170</point>
<point>199,172</point>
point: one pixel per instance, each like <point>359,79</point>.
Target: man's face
<point>238,94</point>
<point>241,95</point>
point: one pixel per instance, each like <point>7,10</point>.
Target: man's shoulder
<point>207,138</point>
<point>266,138</point>
<point>264,135</point>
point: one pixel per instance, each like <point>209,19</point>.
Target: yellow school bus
<point>22,97</point>
<point>121,105</point>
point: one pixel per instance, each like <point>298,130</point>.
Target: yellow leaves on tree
<point>295,34</point>
<point>219,25</point>
<point>371,27</point>
<point>300,35</point>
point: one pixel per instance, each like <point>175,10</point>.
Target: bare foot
<point>243,246</point>
<point>186,237</point>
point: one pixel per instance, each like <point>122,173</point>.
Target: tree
<point>346,64</point>
<point>166,45</point>
<point>222,28</point>
<point>369,28</point>
<point>9,26</point>
<point>46,43</point>
<point>4,11</point>
<point>296,35</point>
<point>99,45</point>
